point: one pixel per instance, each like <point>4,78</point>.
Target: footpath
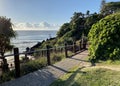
<point>49,74</point>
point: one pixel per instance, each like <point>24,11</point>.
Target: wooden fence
<point>43,52</point>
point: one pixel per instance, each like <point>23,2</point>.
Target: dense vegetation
<point>104,38</point>
<point>6,33</point>
<point>109,8</point>
<point>80,24</point>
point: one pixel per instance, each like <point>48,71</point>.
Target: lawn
<point>81,76</point>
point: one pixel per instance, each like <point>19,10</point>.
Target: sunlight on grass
<point>89,77</point>
<point>115,63</point>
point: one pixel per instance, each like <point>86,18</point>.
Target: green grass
<point>33,65</point>
<point>56,57</point>
<point>109,62</point>
<point>89,77</point>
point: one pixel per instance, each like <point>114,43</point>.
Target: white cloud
<point>35,26</point>
<point>44,24</point>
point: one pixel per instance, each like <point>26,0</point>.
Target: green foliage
<point>57,57</point>
<point>33,65</point>
<point>7,76</point>
<point>90,20</point>
<point>70,36</point>
<point>63,29</point>
<point>51,42</point>
<point>79,24</point>
<point>26,68</point>
<point>104,38</point>
<point>111,7</point>
<point>6,33</point>
<point>72,31</point>
<point>114,64</point>
<point>102,3</point>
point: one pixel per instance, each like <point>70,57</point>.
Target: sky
<point>45,14</point>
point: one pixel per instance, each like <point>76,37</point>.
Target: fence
<point>36,54</point>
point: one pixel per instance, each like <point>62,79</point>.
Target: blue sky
<point>45,14</point>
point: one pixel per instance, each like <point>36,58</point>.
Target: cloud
<point>44,24</point>
<point>35,26</point>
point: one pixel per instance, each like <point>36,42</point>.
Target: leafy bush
<point>33,65</point>
<point>70,36</point>
<point>104,38</point>
<point>7,76</point>
<point>57,57</point>
<point>63,30</point>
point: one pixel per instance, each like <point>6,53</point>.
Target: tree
<point>102,4</point>
<point>80,24</point>
<point>63,29</point>
<point>90,20</point>
<point>6,33</point>
<point>87,13</point>
<point>76,16</point>
<point>109,8</point>
<point>104,39</point>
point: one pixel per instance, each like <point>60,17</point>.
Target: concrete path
<point>49,74</point>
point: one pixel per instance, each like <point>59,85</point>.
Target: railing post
<point>80,45</point>
<point>17,62</point>
<point>48,55</point>
<point>84,44</point>
<point>41,53</point>
<point>66,55</point>
<point>74,47</point>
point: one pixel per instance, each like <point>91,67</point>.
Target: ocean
<point>26,38</point>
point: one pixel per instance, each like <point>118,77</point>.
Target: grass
<point>57,57</point>
<point>89,77</point>
<point>33,65</point>
<point>109,62</point>
<point>7,76</point>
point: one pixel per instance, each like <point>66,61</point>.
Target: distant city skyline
<point>45,14</point>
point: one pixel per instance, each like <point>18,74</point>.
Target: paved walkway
<point>49,74</point>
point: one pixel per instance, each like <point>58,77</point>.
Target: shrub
<point>33,65</point>
<point>57,57</point>
<point>104,38</point>
<point>7,76</point>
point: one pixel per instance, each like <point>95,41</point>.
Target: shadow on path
<point>79,59</point>
<point>69,81</point>
<point>59,68</point>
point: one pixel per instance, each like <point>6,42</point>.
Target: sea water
<point>26,38</point>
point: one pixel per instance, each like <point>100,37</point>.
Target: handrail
<point>45,52</point>
<point>37,51</point>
